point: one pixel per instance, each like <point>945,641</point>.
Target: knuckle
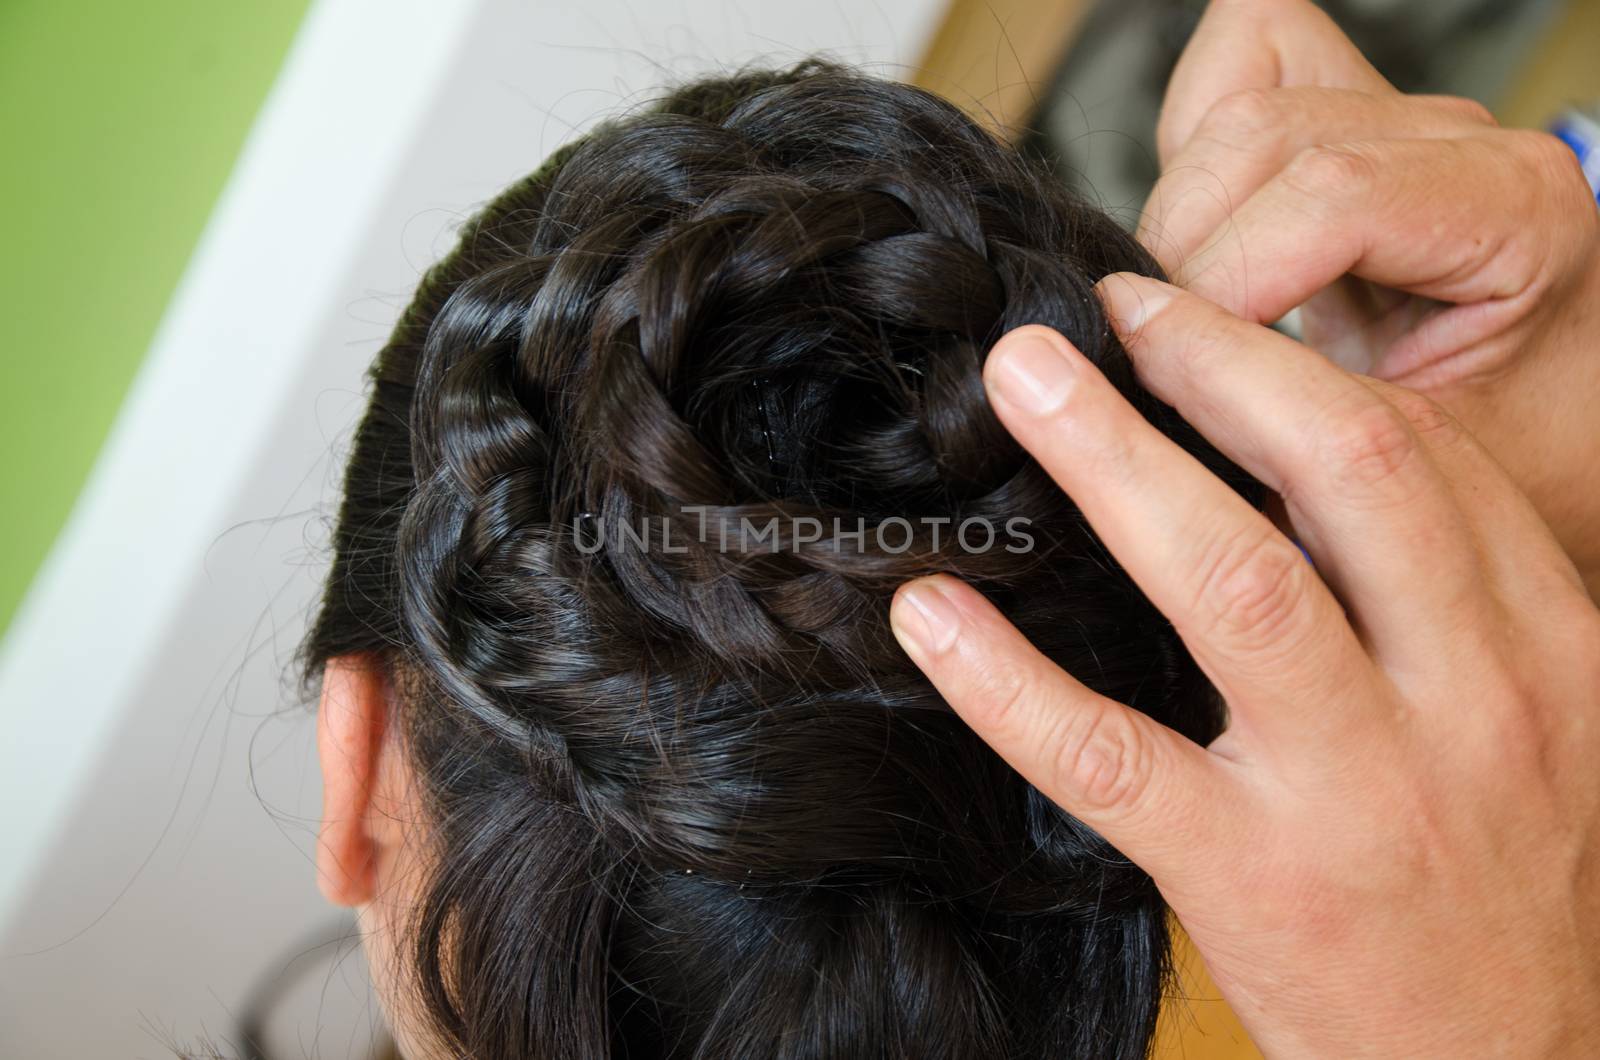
<point>1210,337</point>
<point>1332,172</point>
<point>1546,151</point>
<point>1468,109</point>
<point>1366,448</point>
<point>1111,450</point>
<point>1243,118</point>
<point>1428,420</point>
<point>1103,762</point>
<point>1554,165</point>
<point>1252,590</point>
<point>1195,337</point>
<point>1003,692</point>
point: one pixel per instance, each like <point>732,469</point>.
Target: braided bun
<point>645,460</point>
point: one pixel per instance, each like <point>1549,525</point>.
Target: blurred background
<point>213,213</point>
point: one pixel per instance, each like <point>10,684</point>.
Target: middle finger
<point>1359,485</point>
<point>1244,600</point>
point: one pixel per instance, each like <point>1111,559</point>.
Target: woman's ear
<point>351,721</point>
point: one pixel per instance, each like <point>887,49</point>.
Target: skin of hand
<point>1425,245</point>
<point>1394,849</point>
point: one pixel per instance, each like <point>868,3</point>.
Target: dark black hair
<point>691,800</point>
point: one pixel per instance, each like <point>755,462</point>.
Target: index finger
<point>1253,612</point>
<point>1245,44</point>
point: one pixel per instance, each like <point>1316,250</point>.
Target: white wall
<point>158,790</point>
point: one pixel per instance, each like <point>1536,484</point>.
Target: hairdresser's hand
<point>1427,245</point>
<point>1394,850</point>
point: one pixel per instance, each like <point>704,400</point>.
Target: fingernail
<point>1131,299</point>
<point>924,619</point>
<point>1032,374</point>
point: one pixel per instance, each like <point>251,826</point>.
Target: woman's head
<point>606,631</point>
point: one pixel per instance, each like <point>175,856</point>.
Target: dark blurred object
<point>1116,70</point>
<point>285,1015</point>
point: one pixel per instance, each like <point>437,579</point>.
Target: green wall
<point>120,122</point>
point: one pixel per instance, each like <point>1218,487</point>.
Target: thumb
<point>1246,44</point>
